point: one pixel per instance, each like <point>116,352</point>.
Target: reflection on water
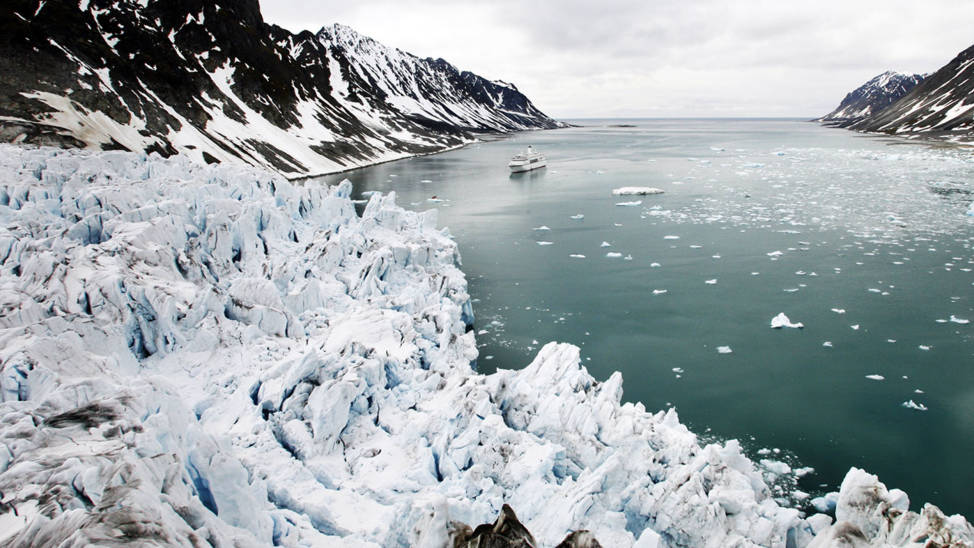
<point>864,242</point>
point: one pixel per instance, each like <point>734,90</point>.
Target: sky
<point>662,58</point>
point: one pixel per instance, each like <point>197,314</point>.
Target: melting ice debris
<point>628,257</point>
<point>774,254</point>
<point>838,310</point>
<point>671,237</point>
<point>323,406</point>
<point>910,404</point>
<point>630,204</point>
<point>854,327</point>
<point>542,227</point>
<point>827,344</point>
<point>659,291</point>
<point>636,191</point>
<point>654,265</point>
<point>875,377</point>
<point>545,243</point>
<point>577,256</point>
<point>711,282</point>
<point>961,321</point>
<point>613,255</point>
<point>605,244</point>
<point>781,320</point>
<point>724,350</point>
<point>578,216</point>
<point>924,347</point>
<point>777,468</point>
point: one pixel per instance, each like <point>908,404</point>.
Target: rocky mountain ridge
<point>214,81</point>
<point>872,97</point>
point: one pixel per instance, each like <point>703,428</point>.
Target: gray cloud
<point>663,57</point>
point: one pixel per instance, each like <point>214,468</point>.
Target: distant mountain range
<point>212,80</point>
<point>939,105</point>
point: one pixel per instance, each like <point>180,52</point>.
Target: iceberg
<point>636,191</point>
<point>209,354</point>
<point>781,320</point>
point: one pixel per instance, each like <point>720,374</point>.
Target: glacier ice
<point>212,355</point>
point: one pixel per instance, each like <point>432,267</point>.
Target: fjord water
<point>758,217</point>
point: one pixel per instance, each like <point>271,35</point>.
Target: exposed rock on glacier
<point>211,355</point>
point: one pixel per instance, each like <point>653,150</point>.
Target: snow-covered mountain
<point>942,105</point>
<point>871,98</point>
<point>212,80</point>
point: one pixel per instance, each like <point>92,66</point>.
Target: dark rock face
<point>871,98</point>
<point>508,532</point>
<point>939,106</point>
<point>211,79</point>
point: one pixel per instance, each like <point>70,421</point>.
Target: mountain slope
<point>942,105</point>
<point>214,81</point>
<point>871,98</point>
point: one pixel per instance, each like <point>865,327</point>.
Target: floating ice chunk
<point>613,255</point>
<point>775,467</point>
<point>578,217</point>
<point>838,310</point>
<point>961,321</point>
<point>854,327</point>
<point>427,181</point>
<point>924,347</point>
<point>774,254</point>
<point>636,191</point>
<point>724,350</point>
<point>654,265</point>
<point>940,320</point>
<point>891,340</point>
<point>577,256</point>
<point>710,282</point>
<point>678,370</point>
<point>544,243</point>
<point>914,405</point>
<point>435,200</point>
<point>605,244</point>
<point>542,227</point>
<point>875,377</point>
<point>659,291</point>
<point>671,237</point>
<point>630,204</point>
<point>826,503</point>
<point>918,391</point>
<point>627,257</point>
<point>781,320</point>
<point>827,344</point>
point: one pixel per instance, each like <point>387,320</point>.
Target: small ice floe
<point>627,258</point>
<point>671,237</point>
<point>961,321</point>
<point>488,357</point>
<point>482,332</point>
<point>659,291</point>
<point>776,467</point>
<point>715,256</point>
<point>838,310</point>
<point>914,405</point>
<point>875,377</point>
<point>616,224</point>
<point>542,227</point>
<point>791,290</point>
<point>678,370</point>
<point>435,199</point>
<point>924,347</point>
<point>717,149</point>
<point>724,350</point>
<point>369,193</point>
<point>426,181</point>
<point>774,254</point>
<point>827,344</point>
<point>577,256</point>
<point>940,320</point>
<point>891,341</point>
<point>654,265</point>
<point>578,217</point>
<point>637,203</point>
<point>918,391</point>
<point>710,282</point>
<point>636,191</point>
<point>781,320</point>
<point>605,244</point>
<point>854,327</point>
<point>613,255</point>
<point>827,503</point>
<point>545,243</point>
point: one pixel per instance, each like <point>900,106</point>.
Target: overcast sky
<point>632,58</point>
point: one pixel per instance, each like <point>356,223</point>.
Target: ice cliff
<point>209,355</point>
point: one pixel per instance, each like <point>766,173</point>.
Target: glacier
<point>212,355</point>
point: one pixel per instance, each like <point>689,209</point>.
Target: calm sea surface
<point>863,239</point>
